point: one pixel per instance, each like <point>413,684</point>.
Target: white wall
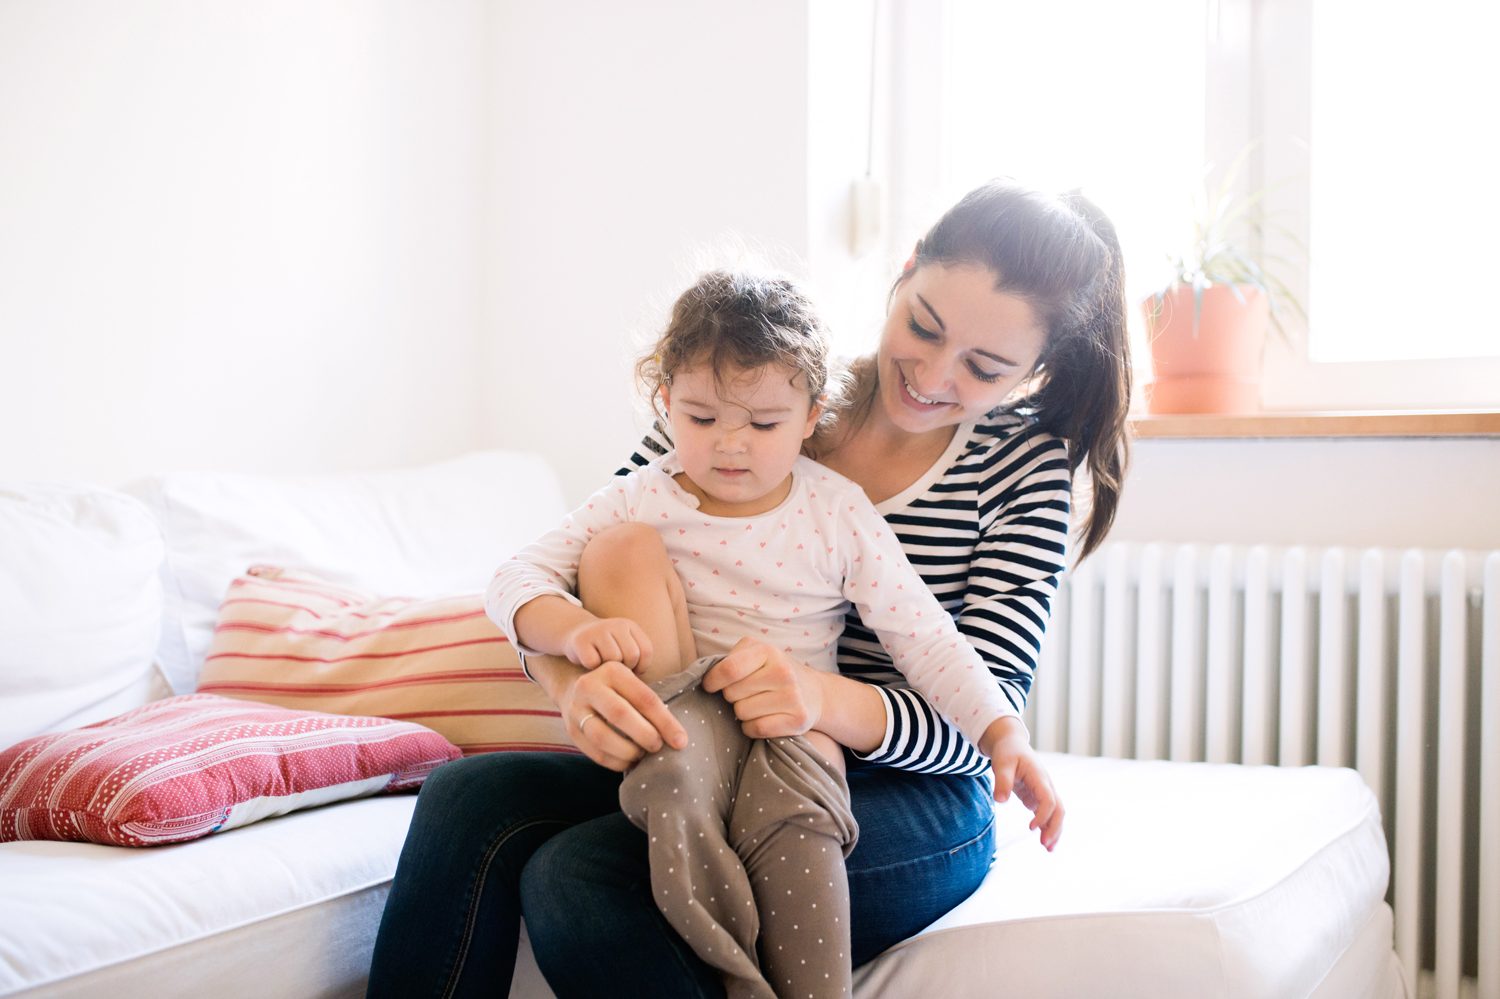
<point>238,234</point>
<point>624,137</point>
<point>297,236</point>
<point>1419,493</point>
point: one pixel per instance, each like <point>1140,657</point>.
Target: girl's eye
<point>765,426</point>
<point>981,374</point>
<point>701,421</point>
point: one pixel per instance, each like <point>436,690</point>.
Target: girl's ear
<point>813,415</point>
<point>666,399</point>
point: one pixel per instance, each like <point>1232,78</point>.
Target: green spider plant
<point>1227,228</point>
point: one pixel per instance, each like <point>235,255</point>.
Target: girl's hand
<point>608,639</point>
<point>615,718</point>
<point>772,694</point>
<point>1017,768</point>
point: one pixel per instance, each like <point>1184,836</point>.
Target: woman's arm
<point>1024,502</point>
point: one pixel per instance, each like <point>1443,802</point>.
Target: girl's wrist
<point>852,713</point>
<point>1006,728</point>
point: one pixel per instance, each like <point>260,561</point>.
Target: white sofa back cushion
<point>427,531</point>
<point>80,607</point>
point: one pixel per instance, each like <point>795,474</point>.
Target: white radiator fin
<point>1383,660</point>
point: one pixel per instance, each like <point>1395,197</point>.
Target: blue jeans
<point>541,834</point>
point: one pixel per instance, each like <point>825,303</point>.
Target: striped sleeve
<point>997,578</point>
<point>655,444</point>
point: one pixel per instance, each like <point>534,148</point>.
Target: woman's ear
<point>911,261</point>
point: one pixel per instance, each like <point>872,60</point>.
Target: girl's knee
<point>624,547</point>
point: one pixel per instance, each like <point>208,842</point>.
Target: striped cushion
<point>187,766</point>
<point>293,639</point>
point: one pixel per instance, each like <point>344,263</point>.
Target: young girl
<point>1001,367</point>
<point>732,535</point>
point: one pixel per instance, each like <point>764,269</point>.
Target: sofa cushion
<point>80,607</point>
<point>187,766</point>
<point>434,529</point>
<point>293,639</point>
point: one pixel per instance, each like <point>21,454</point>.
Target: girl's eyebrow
<point>776,411</point>
<point>940,325</point>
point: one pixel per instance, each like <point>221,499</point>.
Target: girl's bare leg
<point>625,572</point>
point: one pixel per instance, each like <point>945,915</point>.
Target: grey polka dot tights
<point>747,842</point>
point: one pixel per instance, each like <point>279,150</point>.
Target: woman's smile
<point>923,403</point>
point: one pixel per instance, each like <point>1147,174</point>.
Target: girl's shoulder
<point>814,476</point>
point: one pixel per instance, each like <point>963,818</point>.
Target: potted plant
<point>1207,329</point>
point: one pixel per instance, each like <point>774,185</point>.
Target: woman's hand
<point>1017,768</point>
<point>610,713</point>
<point>773,695</point>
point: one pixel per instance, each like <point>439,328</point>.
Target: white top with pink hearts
<point>786,577</point>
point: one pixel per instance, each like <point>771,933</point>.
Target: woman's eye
<point>921,332</point>
<point>765,426</point>
<point>701,421</point>
<point>982,374</point>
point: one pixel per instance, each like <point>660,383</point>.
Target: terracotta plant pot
<point>1214,368</point>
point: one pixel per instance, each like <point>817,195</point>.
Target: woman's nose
<point>933,376</point>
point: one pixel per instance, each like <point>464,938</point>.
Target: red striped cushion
<point>293,639</point>
<point>187,766</point>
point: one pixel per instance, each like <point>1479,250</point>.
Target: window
<point>1370,127</point>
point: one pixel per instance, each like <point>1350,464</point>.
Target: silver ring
<point>583,722</point>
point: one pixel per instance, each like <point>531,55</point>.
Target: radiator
<point>1383,660</point>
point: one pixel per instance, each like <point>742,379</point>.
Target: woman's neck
<point>881,434</point>
<point>884,459</point>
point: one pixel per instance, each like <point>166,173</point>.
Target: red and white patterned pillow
<point>291,638</point>
<point>184,767</point>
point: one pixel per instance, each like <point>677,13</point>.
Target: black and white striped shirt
<point>987,529</point>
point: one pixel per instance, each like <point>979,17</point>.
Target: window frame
<point>1257,71</point>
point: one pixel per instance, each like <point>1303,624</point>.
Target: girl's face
<point>738,437</point>
<point>953,347</point>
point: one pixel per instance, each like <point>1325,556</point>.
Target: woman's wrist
<point>554,674</point>
<point>853,713</point>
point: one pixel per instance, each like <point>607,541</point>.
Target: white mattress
<point>286,907</point>
<point>1171,880</point>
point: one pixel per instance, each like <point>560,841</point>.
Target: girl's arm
<point>548,567</point>
<point>1006,602</point>
<point>922,639</point>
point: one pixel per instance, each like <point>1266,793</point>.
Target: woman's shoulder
<point>1006,431</point>
<point>656,443</point>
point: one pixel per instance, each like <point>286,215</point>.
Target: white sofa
<point>1171,879</point>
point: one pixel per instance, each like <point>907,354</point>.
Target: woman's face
<point>953,347</point>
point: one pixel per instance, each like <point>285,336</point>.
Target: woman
<point>1002,367</point>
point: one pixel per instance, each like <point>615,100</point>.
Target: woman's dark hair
<point>1061,255</point>
<point>742,320</point>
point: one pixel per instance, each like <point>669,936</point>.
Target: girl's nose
<point>733,441</point>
